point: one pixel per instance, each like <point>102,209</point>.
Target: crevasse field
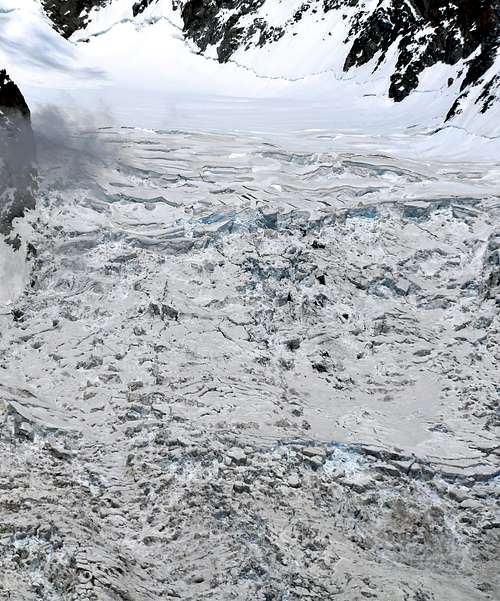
<point>253,352</point>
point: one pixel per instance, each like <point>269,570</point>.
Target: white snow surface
<point>141,72</point>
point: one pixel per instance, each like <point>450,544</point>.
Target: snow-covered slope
<point>391,48</point>
<point>35,54</point>
<point>343,65</point>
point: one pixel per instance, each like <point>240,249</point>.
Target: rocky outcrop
<point>140,6</point>
<point>447,32</point>
<point>11,98</point>
<point>204,23</point>
<point>425,33</point>
<point>17,154</point>
<point>70,15</point>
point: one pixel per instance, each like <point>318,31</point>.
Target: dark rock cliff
<point>17,155</point>
<point>203,23</point>
<point>70,15</point>
<point>446,31</point>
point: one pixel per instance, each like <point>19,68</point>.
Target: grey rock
<point>70,15</point>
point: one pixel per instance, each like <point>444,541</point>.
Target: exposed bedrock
<point>70,15</point>
<point>17,155</point>
<point>448,32</point>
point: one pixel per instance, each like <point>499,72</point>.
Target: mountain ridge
<point>420,34</point>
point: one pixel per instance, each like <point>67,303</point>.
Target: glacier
<point>249,347</point>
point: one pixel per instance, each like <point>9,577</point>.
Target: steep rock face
<point>140,6</point>
<point>70,15</point>
<point>17,154</point>
<point>11,98</point>
<point>427,33</point>
<point>206,24</point>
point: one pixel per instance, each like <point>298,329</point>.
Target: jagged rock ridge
<point>70,15</point>
<point>448,32</point>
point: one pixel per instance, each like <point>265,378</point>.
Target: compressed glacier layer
<point>253,367</point>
